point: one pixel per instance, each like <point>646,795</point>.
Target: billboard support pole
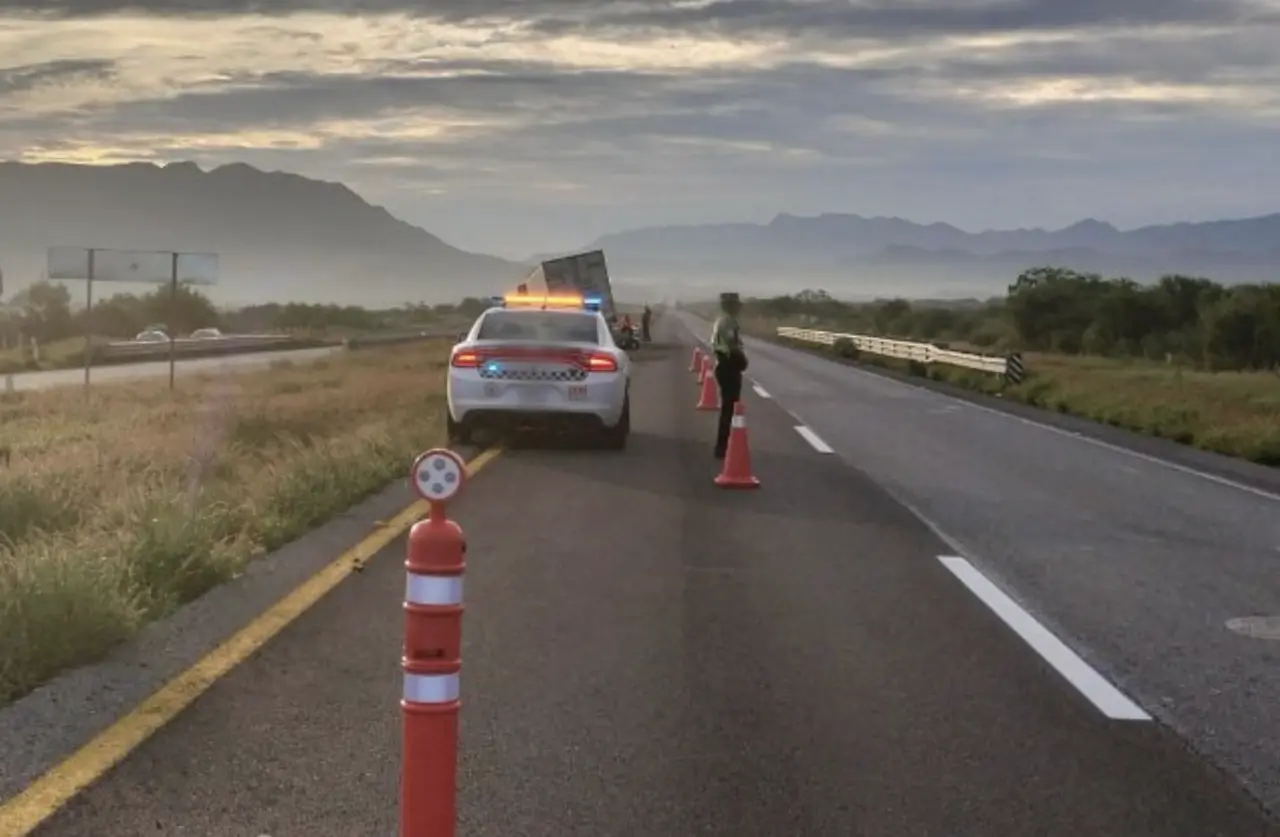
<point>88,322</point>
<point>173,305</point>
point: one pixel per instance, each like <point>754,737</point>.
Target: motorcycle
<point>627,340</point>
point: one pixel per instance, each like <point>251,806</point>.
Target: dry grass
<point>120,507</point>
<point>1233,413</point>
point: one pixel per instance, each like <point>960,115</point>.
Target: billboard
<point>144,266</point>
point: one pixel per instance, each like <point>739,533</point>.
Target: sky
<point>520,126</point>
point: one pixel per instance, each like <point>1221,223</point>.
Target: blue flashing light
<point>593,302</point>
<point>498,301</point>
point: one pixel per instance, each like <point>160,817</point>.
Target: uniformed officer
<point>645,319</point>
<point>731,362</point>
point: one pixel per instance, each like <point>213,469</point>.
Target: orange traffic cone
<point>696,363</point>
<point>737,460</point>
<point>709,397</point>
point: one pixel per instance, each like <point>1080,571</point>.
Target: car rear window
<point>539,326</point>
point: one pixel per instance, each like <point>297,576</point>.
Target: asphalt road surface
<point>149,369</point>
<point>1138,564</point>
<point>647,654</point>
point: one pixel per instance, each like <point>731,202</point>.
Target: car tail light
<point>600,363</point>
<point>465,360</point>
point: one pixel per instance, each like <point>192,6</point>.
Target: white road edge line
<point>760,391</point>
<point>1226,482</point>
<point>1145,457</point>
<point>813,439</point>
<point>1109,700</point>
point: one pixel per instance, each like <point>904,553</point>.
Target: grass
<point>120,507</point>
<point>1232,413</point>
<point>59,354</point>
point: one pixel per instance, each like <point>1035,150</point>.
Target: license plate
<point>578,392</point>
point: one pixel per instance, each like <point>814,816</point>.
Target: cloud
<point>30,77</point>
<point>457,112</point>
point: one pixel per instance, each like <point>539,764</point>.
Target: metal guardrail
<point>1010,367</point>
<point>189,345</point>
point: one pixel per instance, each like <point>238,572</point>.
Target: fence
<point>1010,367</point>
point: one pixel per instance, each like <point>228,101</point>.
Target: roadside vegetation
<point>1185,358</point>
<point>45,312</point>
<point>121,504</point>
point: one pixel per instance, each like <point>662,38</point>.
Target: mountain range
<point>856,255</point>
<point>283,237</point>
<point>279,236</point>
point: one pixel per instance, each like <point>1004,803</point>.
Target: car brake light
<point>601,363</point>
<point>465,360</point>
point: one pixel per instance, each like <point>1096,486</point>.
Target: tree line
<point>45,311</point>
<point>1185,319</point>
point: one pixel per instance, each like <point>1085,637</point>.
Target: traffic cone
<point>709,398</point>
<point>696,363</point>
<point>737,460</point>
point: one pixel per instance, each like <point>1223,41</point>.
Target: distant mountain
<point>279,236</point>
<point>857,255</point>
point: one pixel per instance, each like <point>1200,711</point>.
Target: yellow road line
<point>22,814</point>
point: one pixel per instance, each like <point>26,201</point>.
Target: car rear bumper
<point>540,421</point>
<point>602,405</point>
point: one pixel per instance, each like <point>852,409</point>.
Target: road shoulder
<point>42,729</point>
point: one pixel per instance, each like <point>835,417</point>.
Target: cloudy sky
<point>512,126</point>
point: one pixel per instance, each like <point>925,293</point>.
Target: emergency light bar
<point>591,303</point>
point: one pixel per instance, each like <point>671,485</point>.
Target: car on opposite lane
<point>540,362</point>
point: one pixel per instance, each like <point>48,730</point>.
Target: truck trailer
<point>583,273</point>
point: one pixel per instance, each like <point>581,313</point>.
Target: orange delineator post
<point>737,460</point>
<point>432,664</point>
<point>695,364</point>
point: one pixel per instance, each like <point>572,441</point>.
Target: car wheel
<point>616,436</point>
<point>458,434</point>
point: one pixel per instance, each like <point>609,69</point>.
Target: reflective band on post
<point>433,589</point>
<point>739,422</point>
<point>431,688</point>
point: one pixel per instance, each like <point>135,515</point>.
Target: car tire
<point>616,436</point>
<point>458,434</point>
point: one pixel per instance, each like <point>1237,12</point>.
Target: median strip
<point>119,506</point>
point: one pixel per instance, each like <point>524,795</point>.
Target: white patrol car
<point>540,362</point>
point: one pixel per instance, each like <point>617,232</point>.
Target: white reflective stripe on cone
<point>431,688</point>
<point>433,589</point>
<point>740,422</point>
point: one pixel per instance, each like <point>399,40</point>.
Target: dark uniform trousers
<point>729,378</point>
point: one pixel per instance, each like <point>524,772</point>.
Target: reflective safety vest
<point>725,338</point>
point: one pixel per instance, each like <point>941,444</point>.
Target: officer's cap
<point>729,297</point>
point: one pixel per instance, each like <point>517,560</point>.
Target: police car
<point>540,362</point>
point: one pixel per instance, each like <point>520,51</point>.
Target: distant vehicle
<point>540,362</point>
<point>151,336</point>
<point>206,334</point>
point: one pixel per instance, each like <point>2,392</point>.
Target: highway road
<point>1137,562</point>
<point>131,371</point>
<point>646,654</point>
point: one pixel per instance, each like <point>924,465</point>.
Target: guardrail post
<point>432,660</point>
<point>1014,371</point>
